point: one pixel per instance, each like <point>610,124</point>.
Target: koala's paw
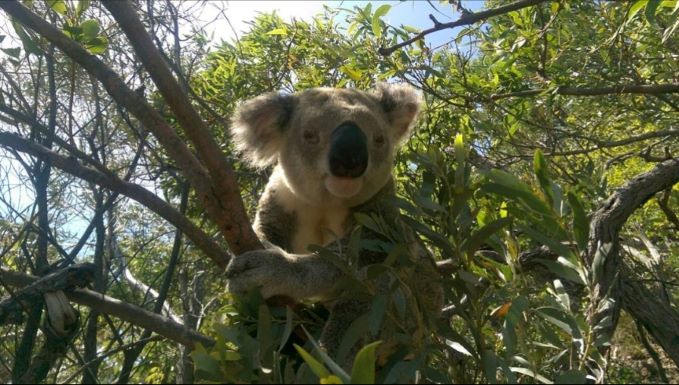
<point>269,270</point>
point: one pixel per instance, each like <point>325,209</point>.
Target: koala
<point>333,151</point>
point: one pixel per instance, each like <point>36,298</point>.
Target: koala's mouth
<point>343,187</point>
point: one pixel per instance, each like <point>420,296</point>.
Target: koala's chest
<point>316,226</point>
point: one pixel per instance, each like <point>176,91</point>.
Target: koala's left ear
<point>401,103</point>
<point>258,126</point>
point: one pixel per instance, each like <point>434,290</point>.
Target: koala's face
<point>334,146</point>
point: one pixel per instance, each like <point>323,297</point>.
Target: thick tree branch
<point>661,321</point>
<point>466,19</point>
<point>645,306</point>
<point>125,311</point>
<point>131,190</point>
<point>68,278</point>
<point>664,204</point>
<point>192,169</point>
<point>644,89</point>
<point>237,230</point>
<point>603,253</point>
<point>599,144</point>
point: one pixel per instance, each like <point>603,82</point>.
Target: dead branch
<point>643,89</point>
<point>115,307</point>
<point>466,19</point>
<point>68,278</point>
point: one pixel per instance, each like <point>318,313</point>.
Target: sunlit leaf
<point>58,6</point>
<point>363,371</point>
<point>313,363</point>
<point>90,29</point>
<point>278,31</point>
<point>580,221</point>
<point>375,24</point>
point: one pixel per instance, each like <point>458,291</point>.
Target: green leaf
<point>458,347</point>
<point>288,328</point>
<point>90,29</point>
<point>434,237</point>
<point>651,9</point>
<point>336,369</point>
<point>204,361</point>
<point>358,328</point>
<point>379,12</point>
<point>460,157</point>
<point>278,31</point>
<point>29,45</point>
<point>635,8</point>
<point>81,7</point>
<point>313,363</point>
<point>560,320</point>
<point>97,46</point>
<point>479,237</point>
<point>411,29</point>
<point>562,295</point>
<point>13,52</point>
<point>512,187</point>
<point>603,250</point>
<point>331,379</point>
<point>553,244</point>
<point>264,335</point>
<point>58,6</point>
<point>562,271</point>
<point>354,74</point>
<point>377,312</point>
<point>490,364</point>
<point>541,171</point>
<point>363,371</point>
<point>580,221</point>
<point>571,377</point>
<point>530,373</point>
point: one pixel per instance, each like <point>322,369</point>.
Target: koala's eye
<point>310,137</point>
<point>379,140</point>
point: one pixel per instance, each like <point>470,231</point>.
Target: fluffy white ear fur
<point>257,128</point>
<point>402,103</point>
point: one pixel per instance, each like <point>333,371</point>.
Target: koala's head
<point>335,146</point>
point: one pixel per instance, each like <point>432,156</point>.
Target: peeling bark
<point>603,252</point>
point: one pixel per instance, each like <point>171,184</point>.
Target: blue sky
<point>414,13</point>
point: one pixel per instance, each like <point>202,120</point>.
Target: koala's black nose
<point>348,151</point>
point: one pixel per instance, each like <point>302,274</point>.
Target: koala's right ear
<point>258,125</point>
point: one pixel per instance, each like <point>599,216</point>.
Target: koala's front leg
<point>278,273</point>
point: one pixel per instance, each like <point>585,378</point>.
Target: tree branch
<point>664,204</point>
<point>661,321</point>
<point>603,251</point>
<point>644,89</point>
<point>192,169</point>
<point>68,278</point>
<point>131,190</point>
<point>617,143</point>
<point>115,307</point>
<point>237,230</point>
<point>466,19</point>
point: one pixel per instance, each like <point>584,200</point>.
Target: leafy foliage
<point>499,182</point>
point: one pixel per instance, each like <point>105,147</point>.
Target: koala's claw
<point>269,270</point>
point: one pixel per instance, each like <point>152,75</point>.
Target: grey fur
<point>298,208</point>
